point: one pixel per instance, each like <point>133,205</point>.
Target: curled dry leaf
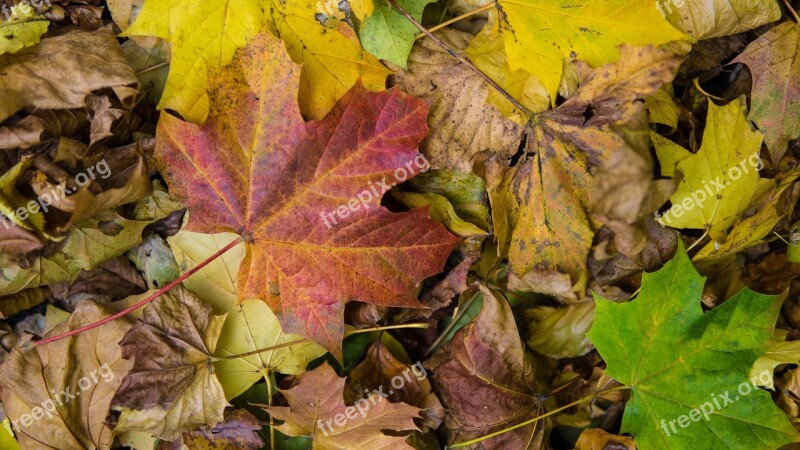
<point>560,332</point>
<point>238,431</point>
<point>317,409</point>
<point>553,232</point>
<point>171,387</point>
<point>380,369</point>
<point>279,182</point>
<point>45,76</point>
<point>57,396</point>
<point>485,381</point>
<point>717,18</point>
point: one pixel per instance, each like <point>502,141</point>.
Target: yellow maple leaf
<point>540,34</point>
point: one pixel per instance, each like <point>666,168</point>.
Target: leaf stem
<point>462,309</point>
<point>460,58</point>
<point>303,340</point>
<point>537,418</point>
<point>149,299</point>
<point>792,11</point>
<point>268,379</point>
<point>456,19</point>
<point>153,67</point>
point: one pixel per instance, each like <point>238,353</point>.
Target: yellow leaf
<point>540,34</point>
<point>204,36</point>
<point>663,107</point>
<point>331,56</point>
<point>22,28</point>
<point>362,8</point>
<point>721,179</point>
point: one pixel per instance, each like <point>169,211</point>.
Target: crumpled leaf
<point>441,211</point>
<point>465,191</point>
<point>40,126</point>
<point>461,121</point>
<point>232,174</point>
<point>774,62</point>
<point>62,70</point>
<point>560,332</point>
<point>154,259</point>
<point>387,34</point>
<point>660,345</point>
<point>485,381</point>
<point>70,382</point>
<point>238,431</point>
<point>703,19</point>
<point>379,367</point>
<point>316,405</point>
<point>171,387</point>
<point>728,144</point>
<point>663,107</point>
<point>553,231</point>
<point>21,28</point>
<point>540,34</point>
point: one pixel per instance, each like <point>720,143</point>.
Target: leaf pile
<point>399,224</point>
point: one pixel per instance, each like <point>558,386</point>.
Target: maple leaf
<point>387,34</point>
<point>317,409</point>
<point>774,62</point>
<point>171,387</point>
<point>238,431</point>
<point>721,179</point>
<point>484,379</point>
<point>675,358</point>
<point>272,178</point>
<point>47,384</point>
<point>539,35</point>
<point>553,230</point>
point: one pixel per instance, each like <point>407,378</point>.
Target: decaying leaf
<point>560,332</point>
<point>774,62</point>
<point>485,381</point>
<point>660,345</point>
<point>45,76</point>
<point>238,431</point>
<point>21,28</point>
<point>710,19</point>
<point>462,123</point>
<point>171,387</point>
<point>305,257</point>
<point>554,231</point>
<point>316,409</point>
<point>58,396</point>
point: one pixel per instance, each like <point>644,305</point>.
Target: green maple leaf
<point>676,359</point>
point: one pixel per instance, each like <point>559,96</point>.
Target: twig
<point>143,302</point>
<point>460,58</point>
<point>792,11</point>
<point>456,19</point>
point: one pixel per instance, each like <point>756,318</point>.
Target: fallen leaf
<point>485,381</point>
<point>57,396</point>
<point>316,409</point>
<point>660,345</point>
<point>554,231</point>
<point>238,431</point>
<point>560,332</point>
<point>461,121</point>
<point>778,353</point>
<point>709,19</point>
<point>171,387</point>
<point>774,62</point>
<point>21,28</point>
<point>380,369</point>
<point>721,179</point>
<point>387,34</point>
<point>597,439</point>
<point>540,35</point>
<point>231,174</point>
<point>45,76</point>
